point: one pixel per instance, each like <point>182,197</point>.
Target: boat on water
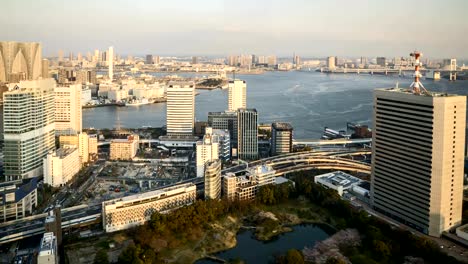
<point>137,102</point>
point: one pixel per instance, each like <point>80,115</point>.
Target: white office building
<point>134,210</point>
<point>237,95</point>
<point>180,108</point>
<point>60,166</point>
<point>207,150</point>
<point>29,127</point>
<point>68,114</point>
<point>418,158</point>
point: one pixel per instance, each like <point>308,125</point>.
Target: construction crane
<point>417,85</point>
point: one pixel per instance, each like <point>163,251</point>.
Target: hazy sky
<point>222,27</point>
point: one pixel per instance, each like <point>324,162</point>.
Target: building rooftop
<point>182,84</point>
<point>339,178</point>
<point>63,152</point>
<point>282,126</point>
<point>150,194</point>
<point>261,169</point>
<point>241,110</point>
<point>410,92</point>
<point>47,244</point>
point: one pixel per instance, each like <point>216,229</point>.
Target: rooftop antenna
<point>417,85</point>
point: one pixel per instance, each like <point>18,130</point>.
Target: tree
<point>381,250</point>
<point>294,256</point>
<point>101,257</point>
<point>333,260</point>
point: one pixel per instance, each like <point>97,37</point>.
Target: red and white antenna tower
<point>417,85</point>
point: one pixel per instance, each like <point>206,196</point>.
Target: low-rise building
<point>60,166</point>
<point>245,187</point>
<point>17,199</point>
<point>339,181</point>
<point>124,149</point>
<point>134,210</point>
<point>48,250</point>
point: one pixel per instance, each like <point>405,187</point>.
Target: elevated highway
<point>84,215</point>
<point>300,161</point>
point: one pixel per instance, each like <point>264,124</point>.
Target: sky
<point>310,28</point>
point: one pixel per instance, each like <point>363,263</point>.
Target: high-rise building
<point>3,89</point>
<point>194,60</point>
<point>417,158</point>
<point>68,118</point>
<point>86,76</point>
<point>29,127</point>
<point>60,55</point>
<point>45,68</point>
<point>226,120</point>
<point>271,60</point>
<point>60,166</point>
<point>381,61</point>
<point>331,62</point>
<point>213,179</point>
<point>224,141</point>
<point>70,56</point>
<point>180,108</point>
<point>281,138</point>
<point>97,56</point>
<point>20,61</point>
<point>149,59</point>
<point>110,62</point>
<point>247,133</point>
<point>237,95</point>
<point>207,150</point>
<point>156,60</point>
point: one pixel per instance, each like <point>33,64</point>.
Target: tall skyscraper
<point>70,56</point>
<point>68,117</point>
<point>247,133</point>
<point>213,179</point>
<point>194,60</point>
<point>237,95</point>
<point>45,68</point>
<point>110,62</point>
<point>97,56</point>
<point>29,127</point>
<point>331,62</point>
<point>226,121</point>
<point>207,150</point>
<point>180,108</point>
<point>60,55</point>
<point>417,158</point>
<point>149,59</point>
<point>20,61</point>
<point>381,61</point>
<point>281,138</point>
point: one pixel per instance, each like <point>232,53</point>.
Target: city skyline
<point>235,27</point>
